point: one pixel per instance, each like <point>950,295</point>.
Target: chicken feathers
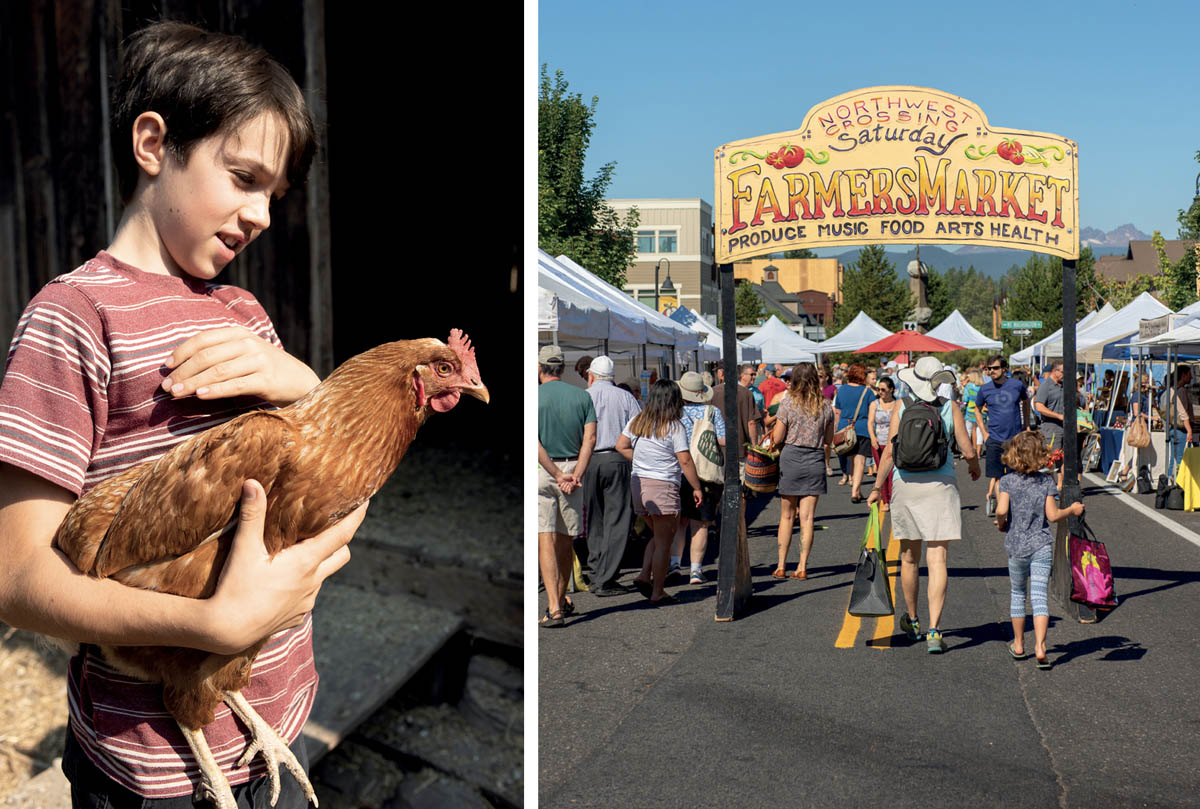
<point>167,525</point>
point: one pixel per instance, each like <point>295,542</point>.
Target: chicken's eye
<point>444,368</point>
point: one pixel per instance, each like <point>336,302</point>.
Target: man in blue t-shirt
<point>1007,403</point>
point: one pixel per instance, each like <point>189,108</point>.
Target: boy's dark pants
<point>92,789</point>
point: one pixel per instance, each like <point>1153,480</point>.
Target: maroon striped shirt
<point>80,401</point>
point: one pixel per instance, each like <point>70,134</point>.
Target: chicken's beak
<point>478,391</point>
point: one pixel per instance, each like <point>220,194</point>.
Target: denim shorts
<point>992,451</point>
<point>92,789</point>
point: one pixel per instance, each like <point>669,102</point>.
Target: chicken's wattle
<point>444,401</point>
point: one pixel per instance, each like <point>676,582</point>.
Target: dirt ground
<point>33,706</point>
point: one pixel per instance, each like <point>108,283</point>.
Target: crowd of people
<point>628,458</point>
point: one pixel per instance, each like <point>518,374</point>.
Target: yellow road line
<point>883,626</point>
<point>882,639</point>
<point>850,625</point>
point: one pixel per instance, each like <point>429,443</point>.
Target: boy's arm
<point>234,361</point>
<point>42,591</point>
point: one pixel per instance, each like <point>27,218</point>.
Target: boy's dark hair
<point>203,83</point>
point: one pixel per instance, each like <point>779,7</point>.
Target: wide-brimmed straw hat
<point>924,377</point>
<point>693,389</point>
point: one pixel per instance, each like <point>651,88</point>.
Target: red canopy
<point>907,340</point>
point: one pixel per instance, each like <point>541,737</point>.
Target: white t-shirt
<point>654,457</point>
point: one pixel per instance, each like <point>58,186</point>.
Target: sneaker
<point>673,574</point>
<point>991,506</point>
<point>934,643</point>
<point>910,626</point>
<point>697,576</point>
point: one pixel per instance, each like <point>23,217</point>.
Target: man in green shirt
<point>566,437</point>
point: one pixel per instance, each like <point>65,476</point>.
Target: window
<point>658,241</point>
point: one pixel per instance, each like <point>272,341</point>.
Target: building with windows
<point>807,288</point>
<point>677,236</point>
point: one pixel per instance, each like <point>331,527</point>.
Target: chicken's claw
<point>274,750</point>
<point>213,787</point>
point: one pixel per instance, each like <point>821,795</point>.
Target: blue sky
<point>675,80</point>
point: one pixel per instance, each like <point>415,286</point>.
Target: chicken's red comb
<point>461,344</point>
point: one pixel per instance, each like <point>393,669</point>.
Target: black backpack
<point>920,443</point>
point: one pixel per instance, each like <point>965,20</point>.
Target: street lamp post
<point>667,286</point>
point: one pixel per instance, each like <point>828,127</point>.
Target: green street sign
<point>1020,324</point>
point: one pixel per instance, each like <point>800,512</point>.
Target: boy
<point>132,352</point>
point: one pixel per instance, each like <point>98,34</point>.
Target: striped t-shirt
<point>81,401</point>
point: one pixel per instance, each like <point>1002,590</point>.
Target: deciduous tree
<point>573,219</point>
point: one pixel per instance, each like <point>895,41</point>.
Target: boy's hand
<point>258,596</point>
<point>234,361</point>
<point>1076,509</point>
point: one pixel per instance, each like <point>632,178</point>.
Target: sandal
<point>798,574</point>
<point>1013,653</point>
<point>778,573</point>
<point>666,599</point>
<point>643,587</point>
<point>552,620</point>
<point>568,608</point>
<point>1044,663</point>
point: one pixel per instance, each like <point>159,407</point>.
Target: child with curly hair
<point>1027,504</point>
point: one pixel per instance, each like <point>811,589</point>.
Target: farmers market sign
<point>897,165</point>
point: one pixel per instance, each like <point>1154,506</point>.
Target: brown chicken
<point>168,524</point>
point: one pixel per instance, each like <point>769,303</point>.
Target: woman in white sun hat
<point>925,504</point>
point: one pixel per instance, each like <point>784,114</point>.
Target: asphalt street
<point>644,706</point>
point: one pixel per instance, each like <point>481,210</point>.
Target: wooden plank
<point>366,647</point>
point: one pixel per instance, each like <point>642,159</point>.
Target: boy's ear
<point>149,142</point>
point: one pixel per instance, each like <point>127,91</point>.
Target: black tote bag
<point>871,595</point>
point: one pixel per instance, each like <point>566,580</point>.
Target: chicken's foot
<point>274,750</point>
<point>214,787</point>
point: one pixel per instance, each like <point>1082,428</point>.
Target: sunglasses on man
<point>995,367</point>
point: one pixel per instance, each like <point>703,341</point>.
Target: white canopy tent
<point>955,329</point>
<point>860,333</point>
<point>1025,356</point>
<point>1183,340</point>
<point>713,336</point>
<point>561,311</point>
<point>621,327</point>
<point>1091,341</point>
<point>659,328</point>
<point>636,332</point>
<point>780,344</point>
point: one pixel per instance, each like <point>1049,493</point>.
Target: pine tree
<point>937,297</point>
<point>1035,292</point>
<point>747,306</point>
<point>871,285</point>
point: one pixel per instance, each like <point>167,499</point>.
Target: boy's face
<point>208,210</point>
